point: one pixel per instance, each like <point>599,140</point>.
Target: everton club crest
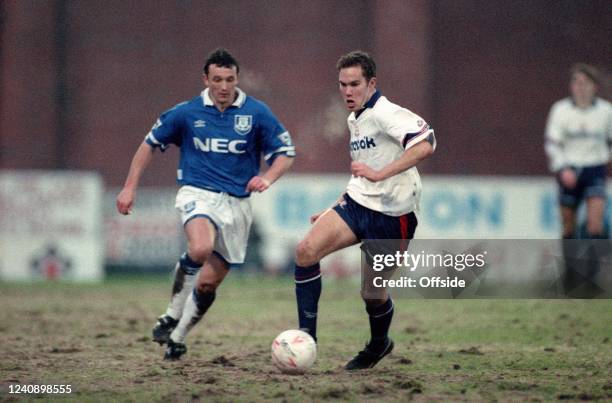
<point>243,124</point>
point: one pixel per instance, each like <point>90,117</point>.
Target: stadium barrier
<point>63,224</point>
<point>51,225</point>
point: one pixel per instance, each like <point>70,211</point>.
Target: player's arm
<point>278,150</point>
<point>609,134</point>
<point>415,136</point>
<point>165,131</point>
<point>281,164</point>
<point>140,161</point>
<point>407,160</point>
<point>554,148</point>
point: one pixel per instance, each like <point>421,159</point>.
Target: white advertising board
<point>150,236</point>
<point>51,225</point>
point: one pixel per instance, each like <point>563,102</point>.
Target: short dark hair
<point>358,58</point>
<point>222,58</point>
<point>590,71</point>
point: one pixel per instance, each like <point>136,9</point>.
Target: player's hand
<point>257,184</point>
<point>568,178</point>
<point>359,169</point>
<point>315,217</point>
<point>125,201</point>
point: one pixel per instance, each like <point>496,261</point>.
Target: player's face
<point>221,83</point>
<point>354,87</point>
<point>582,88</point>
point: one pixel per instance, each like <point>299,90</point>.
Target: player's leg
<point>595,210</point>
<point>185,273</point>
<point>390,235</point>
<point>232,218</point>
<point>569,200</point>
<point>569,247</point>
<point>595,195</point>
<point>200,240</point>
<point>202,297</point>
<point>568,221</point>
<point>379,307</point>
<point>328,234</point>
<point>596,207</point>
<point>201,236</point>
<point>594,179</point>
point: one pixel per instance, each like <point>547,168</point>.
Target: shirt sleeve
<point>166,130</point>
<point>276,140</point>
<point>407,128</point>
<point>554,138</point>
<point>609,127</point>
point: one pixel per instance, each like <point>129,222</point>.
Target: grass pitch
<point>96,338</point>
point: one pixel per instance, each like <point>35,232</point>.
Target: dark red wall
<point>497,67</point>
<point>83,81</point>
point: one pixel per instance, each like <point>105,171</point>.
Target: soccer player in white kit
<point>387,142</point>
<point>578,138</point>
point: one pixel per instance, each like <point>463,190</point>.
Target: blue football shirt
<point>220,151</point>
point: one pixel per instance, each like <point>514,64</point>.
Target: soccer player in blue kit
<point>222,134</point>
<point>387,142</point>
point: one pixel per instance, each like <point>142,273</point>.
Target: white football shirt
<point>380,134</point>
<point>578,137</point>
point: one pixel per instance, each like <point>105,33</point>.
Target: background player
<point>387,141</point>
<point>222,134</point>
<point>578,138</point>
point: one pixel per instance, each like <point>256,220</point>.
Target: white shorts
<point>231,216</point>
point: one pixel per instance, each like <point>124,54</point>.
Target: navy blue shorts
<point>369,224</point>
<point>591,182</point>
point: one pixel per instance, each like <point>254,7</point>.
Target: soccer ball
<point>294,351</point>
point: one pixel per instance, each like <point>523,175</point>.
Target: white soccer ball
<point>294,351</point>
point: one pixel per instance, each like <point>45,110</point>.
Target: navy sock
<point>380,321</point>
<point>203,300</point>
<point>188,265</point>
<point>307,292</point>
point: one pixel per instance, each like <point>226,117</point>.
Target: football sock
<point>569,250</point>
<point>307,292</point>
<point>195,308</point>
<point>184,277</point>
<point>600,235</point>
<point>380,321</point>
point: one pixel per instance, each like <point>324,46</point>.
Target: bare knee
<point>594,227</point>
<point>200,252</point>
<point>207,287</point>
<point>373,303</point>
<point>305,254</point>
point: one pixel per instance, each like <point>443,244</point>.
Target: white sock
<point>181,289</point>
<point>191,316</point>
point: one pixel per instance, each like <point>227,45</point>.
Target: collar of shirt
<point>370,104</point>
<point>240,99</point>
<point>593,103</point>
